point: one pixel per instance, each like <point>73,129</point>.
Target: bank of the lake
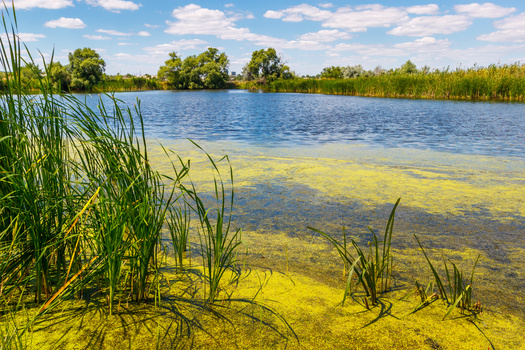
<point>495,83</point>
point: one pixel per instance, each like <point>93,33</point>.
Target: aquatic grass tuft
<point>458,286</point>
<point>218,241</point>
<point>373,270</point>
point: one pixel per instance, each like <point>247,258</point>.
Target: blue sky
<point>136,36</point>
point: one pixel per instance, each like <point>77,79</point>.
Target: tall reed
<point>505,82</point>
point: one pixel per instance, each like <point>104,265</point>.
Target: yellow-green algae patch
<point>459,205</point>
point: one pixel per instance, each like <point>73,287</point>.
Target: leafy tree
<point>214,68</point>
<point>86,68</point>
<point>408,68</point>
<point>207,70</point>
<point>266,65</point>
<point>171,71</point>
<point>333,72</point>
<point>58,76</point>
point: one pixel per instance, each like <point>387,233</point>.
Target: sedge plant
<point>373,269</point>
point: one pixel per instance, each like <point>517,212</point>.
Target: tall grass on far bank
<point>498,83</point>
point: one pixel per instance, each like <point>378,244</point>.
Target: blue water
<point>285,120</point>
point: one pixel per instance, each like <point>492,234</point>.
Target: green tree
<point>171,71</point>
<point>86,68</point>
<point>213,68</point>
<point>58,76</point>
<point>208,70</point>
<point>266,65</point>
<point>408,68</point>
<point>333,72</point>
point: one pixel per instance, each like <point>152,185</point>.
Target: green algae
<point>460,205</point>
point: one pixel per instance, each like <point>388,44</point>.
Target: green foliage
<point>266,65</point>
<point>86,68</point>
<point>333,72</point>
<point>208,70</point>
<point>408,68</point>
<point>459,287</point>
<point>373,270</point>
<point>505,82</point>
<point>59,76</point>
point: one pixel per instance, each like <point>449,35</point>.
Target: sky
<point>136,36</point>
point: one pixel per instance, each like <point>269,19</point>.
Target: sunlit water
<point>330,161</point>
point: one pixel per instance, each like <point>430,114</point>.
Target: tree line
<point>266,69</point>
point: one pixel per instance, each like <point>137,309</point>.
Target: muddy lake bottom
<point>459,206</point>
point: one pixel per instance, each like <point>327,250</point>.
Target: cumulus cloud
<point>430,25</point>
<point>178,45</point>
<point>45,4</point>
<point>114,5</point>
<point>63,22</point>
<point>325,36</point>
<point>196,20</point>
<point>326,5</point>
<point>360,18</point>
<point>113,32</point>
<point>352,19</point>
<point>511,29</point>
<point>143,33</point>
<point>486,10</point>
<point>299,13</point>
<point>27,37</point>
<point>96,37</point>
<point>431,9</point>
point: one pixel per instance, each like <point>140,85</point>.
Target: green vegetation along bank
<point>497,83</point>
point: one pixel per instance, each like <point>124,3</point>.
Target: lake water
<point>331,161</point>
<point>288,120</point>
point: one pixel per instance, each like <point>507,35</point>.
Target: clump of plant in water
<point>373,270</point>
<point>455,289</point>
<point>82,211</point>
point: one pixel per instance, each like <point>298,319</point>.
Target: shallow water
<point>334,161</point>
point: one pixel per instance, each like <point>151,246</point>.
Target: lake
<point>331,161</point>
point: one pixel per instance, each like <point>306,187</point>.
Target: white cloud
<point>27,37</point>
<point>326,5</point>
<point>178,45</point>
<point>366,16</point>
<point>63,22</point>
<point>113,32</point>
<point>299,13</point>
<point>430,9</point>
<point>96,37</point>
<point>114,5</point>
<point>486,10</point>
<point>356,19</point>
<point>143,33</point>
<point>126,44</point>
<point>45,4</point>
<point>152,26</point>
<point>511,29</point>
<point>325,36</point>
<point>193,19</point>
<point>426,26</point>
<point>426,44</point>
<point>508,35</point>
<point>228,5</point>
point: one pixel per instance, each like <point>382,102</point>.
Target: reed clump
<point>455,289</point>
<point>495,82</point>
<point>373,270</point>
<point>82,212</point>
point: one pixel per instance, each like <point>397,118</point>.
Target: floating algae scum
<point>94,218</point>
